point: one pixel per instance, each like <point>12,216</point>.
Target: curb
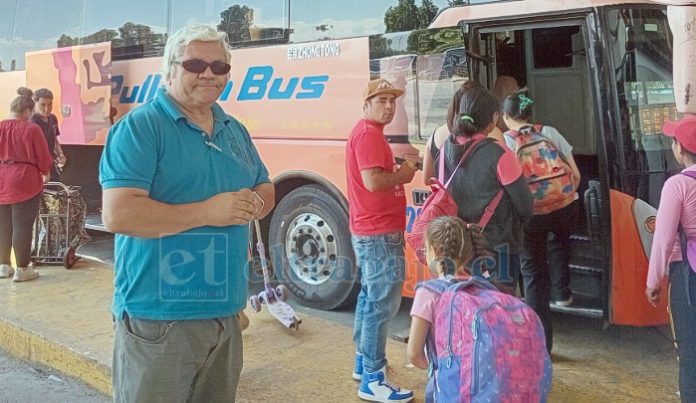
<point>32,347</point>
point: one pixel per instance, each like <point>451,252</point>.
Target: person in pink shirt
<point>675,236</point>
<point>24,162</point>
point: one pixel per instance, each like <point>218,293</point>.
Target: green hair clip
<point>525,101</point>
<point>467,118</point>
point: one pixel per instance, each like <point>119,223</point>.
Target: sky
<point>21,18</point>
<point>37,24</point>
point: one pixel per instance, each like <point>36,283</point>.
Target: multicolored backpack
<point>488,347</point>
<point>548,175</point>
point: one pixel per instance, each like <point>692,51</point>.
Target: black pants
<point>534,267</point>
<point>559,260</point>
<point>16,225</point>
<point>682,285</point>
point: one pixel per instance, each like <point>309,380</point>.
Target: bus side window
<point>440,68</point>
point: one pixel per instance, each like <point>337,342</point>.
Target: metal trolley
<point>60,225</point>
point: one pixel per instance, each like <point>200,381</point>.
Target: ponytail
<point>518,106</point>
<point>477,107</point>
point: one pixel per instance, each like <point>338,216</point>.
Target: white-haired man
<point>181,181</point>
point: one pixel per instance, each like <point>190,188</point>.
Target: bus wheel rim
<point>311,249</point>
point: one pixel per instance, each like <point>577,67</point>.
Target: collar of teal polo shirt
<point>175,112</point>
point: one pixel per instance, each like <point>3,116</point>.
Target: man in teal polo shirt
<point>181,180</point>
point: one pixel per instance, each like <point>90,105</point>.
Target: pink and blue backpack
<point>488,346</point>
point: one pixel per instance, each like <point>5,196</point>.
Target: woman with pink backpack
<point>485,180</point>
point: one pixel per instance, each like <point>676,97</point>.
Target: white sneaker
<point>25,274</point>
<point>375,387</point>
<point>564,302</point>
<point>6,271</point>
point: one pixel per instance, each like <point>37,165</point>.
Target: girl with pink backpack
<point>478,344</point>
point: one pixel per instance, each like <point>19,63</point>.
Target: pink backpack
<point>441,203</point>
<point>488,347</point>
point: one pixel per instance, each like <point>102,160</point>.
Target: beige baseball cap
<point>380,86</point>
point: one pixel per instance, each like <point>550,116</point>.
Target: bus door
<point>638,45</point>
<point>550,58</point>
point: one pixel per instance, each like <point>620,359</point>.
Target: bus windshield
<point>641,43</point>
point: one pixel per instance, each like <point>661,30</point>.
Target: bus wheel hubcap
<point>311,249</point>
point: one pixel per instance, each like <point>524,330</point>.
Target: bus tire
<point>310,241</point>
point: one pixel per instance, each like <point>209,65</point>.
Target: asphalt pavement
<point>35,383</point>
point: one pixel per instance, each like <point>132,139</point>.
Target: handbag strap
<point>441,162</point>
<point>690,174</point>
<point>683,242</point>
<point>490,209</point>
<point>680,230</point>
<point>467,153</point>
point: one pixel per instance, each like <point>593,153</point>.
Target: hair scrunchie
<point>525,102</point>
<point>466,118</point>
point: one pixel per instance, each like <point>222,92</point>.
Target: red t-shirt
<point>24,142</point>
<point>372,213</point>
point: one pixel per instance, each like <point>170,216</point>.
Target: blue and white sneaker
<point>358,368</point>
<point>375,387</point>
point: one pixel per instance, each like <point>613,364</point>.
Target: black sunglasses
<point>198,66</point>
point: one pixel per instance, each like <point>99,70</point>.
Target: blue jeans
<point>382,268</point>
<point>682,308</point>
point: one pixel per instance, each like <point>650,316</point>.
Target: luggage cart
<point>60,225</point>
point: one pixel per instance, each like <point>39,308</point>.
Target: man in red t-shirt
<point>377,221</point>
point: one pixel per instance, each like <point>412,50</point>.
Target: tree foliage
<point>402,17</point>
<point>236,22</point>
<point>456,2</point>
<point>426,12</point>
<point>129,34</point>
<point>104,35</point>
<point>406,16</point>
<point>138,34</point>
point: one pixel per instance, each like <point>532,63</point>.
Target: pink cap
<point>684,130</point>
